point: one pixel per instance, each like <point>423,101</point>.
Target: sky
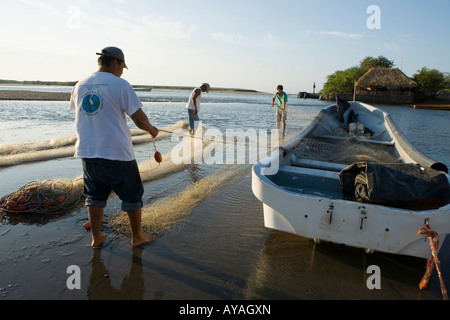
<point>248,44</point>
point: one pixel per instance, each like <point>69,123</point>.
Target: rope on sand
<point>433,237</point>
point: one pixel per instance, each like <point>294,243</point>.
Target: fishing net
<point>37,155</point>
<point>166,212</point>
<point>45,197</point>
<point>151,170</point>
<point>346,148</point>
<point>13,154</point>
<point>345,151</point>
<point>60,195</point>
<point>8,149</point>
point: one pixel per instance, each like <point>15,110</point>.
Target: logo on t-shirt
<point>91,103</point>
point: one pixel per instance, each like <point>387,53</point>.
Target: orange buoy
<point>157,156</point>
<point>11,204</point>
<point>61,199</point>
<point>21,200</point>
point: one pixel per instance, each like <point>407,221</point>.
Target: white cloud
<point>342,34</point>
<point>269,37</point>
<point>47,8</point>
<point>167,27</point>
<point>230,38</point>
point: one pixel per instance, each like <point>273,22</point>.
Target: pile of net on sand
<point>44,197</point>
<point>166,212</point>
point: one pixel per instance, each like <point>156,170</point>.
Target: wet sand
<point>220,252</point>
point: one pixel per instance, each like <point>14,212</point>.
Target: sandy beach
<point>33,95</point>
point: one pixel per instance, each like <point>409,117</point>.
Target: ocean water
<point>34,121</point>
<point>221,250</point>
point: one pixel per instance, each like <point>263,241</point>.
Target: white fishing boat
<point>357,182</point>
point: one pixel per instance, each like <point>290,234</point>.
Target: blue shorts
<point>193,119</point>
<point>101,176</point>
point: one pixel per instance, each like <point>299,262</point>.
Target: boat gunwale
<point>400,141</point>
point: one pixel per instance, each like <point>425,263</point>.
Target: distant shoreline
<point>33,95</point>
<point>26,95</point>
<point>64,96</point>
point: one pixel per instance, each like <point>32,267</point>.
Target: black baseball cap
<point>113,52</point>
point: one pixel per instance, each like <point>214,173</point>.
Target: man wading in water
<point>101,102</point>
<point>193,106</point>
<point>281,115</point>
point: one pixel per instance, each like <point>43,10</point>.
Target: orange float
<point>11,204</point>
<point>157,156</point>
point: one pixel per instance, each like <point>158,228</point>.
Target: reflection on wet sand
<point>132,287</point>
<point>293,267</point>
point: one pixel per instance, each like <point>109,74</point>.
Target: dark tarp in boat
<point>406,186</point>
<point>341,107</point>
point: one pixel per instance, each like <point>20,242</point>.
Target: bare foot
<point>97,243</point>
<point>144,238</point>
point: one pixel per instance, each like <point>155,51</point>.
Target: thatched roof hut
<point>389,78</point>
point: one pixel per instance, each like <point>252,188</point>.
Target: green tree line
<point>39,83</point>
<point>430,81</point>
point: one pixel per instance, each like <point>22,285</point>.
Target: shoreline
<point>33,95</point>
<point>65,96</point>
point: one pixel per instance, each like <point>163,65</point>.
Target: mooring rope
<point>433,237</point>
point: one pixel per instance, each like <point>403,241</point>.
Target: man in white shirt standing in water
<point>193,106</point>
<point>101,103</point>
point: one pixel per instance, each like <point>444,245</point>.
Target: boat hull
<point>307,201</point>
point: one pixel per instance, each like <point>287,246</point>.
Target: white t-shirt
<point>190,103</point>
<point>101,103</point>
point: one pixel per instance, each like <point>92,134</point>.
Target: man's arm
<point>197,92</point>
<point>141,121</point>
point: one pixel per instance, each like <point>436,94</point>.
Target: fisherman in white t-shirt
<point>193,106</point>
<point>101,103</point>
